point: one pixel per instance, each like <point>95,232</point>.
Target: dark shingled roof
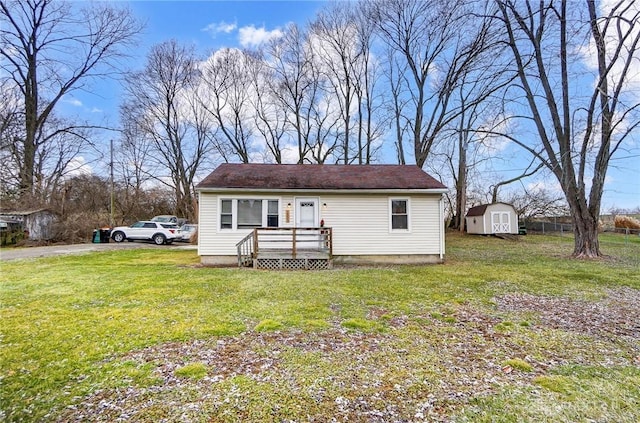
<point>477,210</point>
<point>324,177</point>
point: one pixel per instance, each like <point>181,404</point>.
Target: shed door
<point>500,223</point>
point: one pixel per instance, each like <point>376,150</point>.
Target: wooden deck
<point>286,248</point>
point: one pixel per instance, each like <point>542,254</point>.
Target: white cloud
<point>218,27</point>
<point>96,110</point>
<point>78,166</point>
<point>630,12</point>
<point>290,155</point>
<point>73,101</point>
<point>250,36</point>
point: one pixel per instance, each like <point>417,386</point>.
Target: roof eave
<point>326,191</point>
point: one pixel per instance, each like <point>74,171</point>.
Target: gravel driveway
<point>56,250</point>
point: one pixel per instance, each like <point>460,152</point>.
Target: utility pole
<point>111,220</point>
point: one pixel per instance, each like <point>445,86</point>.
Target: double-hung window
<point>226,214</point>
<point>399,214</point>
<point>248,213</point>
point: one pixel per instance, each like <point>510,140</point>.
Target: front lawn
<point>502,332</point>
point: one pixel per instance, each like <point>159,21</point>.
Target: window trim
<point>407,200</point>
<point>234,211</point>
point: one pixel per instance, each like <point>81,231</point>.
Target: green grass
<point>193,371</point>
<point>69,323</point>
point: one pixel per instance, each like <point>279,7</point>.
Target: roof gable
<point>481,209</point>
<point>319,177</point>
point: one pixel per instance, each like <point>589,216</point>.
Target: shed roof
<point>324,177</point>
<point>481,209</point>
<point>477,210</point>
<point>23,213</point>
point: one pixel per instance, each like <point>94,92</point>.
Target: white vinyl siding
<point>213,239</point>
<point>360,223</point>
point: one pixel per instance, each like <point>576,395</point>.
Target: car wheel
<point>158,239</point>
<point>118,236</point>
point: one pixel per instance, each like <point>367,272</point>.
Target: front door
<point>307,216</point>
<point>307,213</point>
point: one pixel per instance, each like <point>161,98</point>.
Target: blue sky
<point>210,25</point>
<point>207,25</point>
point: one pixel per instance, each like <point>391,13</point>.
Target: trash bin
<point>104,235</point>
<point>96,236</point>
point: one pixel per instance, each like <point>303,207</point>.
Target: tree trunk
<point>585,227</point>
<point>461,186</point>
<point>585,230</point>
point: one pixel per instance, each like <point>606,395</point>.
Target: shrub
<point>626,222</point>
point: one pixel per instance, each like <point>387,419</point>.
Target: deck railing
<point>246,250</point>
<point>291,242</point>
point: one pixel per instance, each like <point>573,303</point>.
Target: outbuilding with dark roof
<point>490,219</point>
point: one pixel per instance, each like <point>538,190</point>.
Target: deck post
<point>255,243</point>
<point>294,243</point>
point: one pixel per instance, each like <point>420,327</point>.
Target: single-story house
<point>362,213</point>
<point>489,219</point>
<point>38,225</point>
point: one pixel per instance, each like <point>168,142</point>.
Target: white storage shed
<point>489,219</point>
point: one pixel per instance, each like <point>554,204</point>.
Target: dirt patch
<point>617,315</point>
<point>422,368</point>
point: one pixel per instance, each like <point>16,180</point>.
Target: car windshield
<point>171,219</point>
<point>137,225</point>
<point>169,225</point>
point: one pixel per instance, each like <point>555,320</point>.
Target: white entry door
<point>500,223</point>
<point>307,213</point>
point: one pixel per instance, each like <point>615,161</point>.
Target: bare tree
<point>11,130</point>
<point>161,99</point>
<point>531,203</point>
<point>133,164</point>
<point>579,125</point>
<point>529,171</point>
<point>371,119</point>
<point>476,97</point>
<point>227,94</point>
<point>395,72</point>
<point>270,118</point>
<point>335,40</point>
<point>431,50</point>
<point>51,49</point>
<point>298,84</point>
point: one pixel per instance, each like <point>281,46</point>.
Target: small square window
<point>399,214</point>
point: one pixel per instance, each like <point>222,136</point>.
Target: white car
<point>188,231</point>
<point>158,232</point>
